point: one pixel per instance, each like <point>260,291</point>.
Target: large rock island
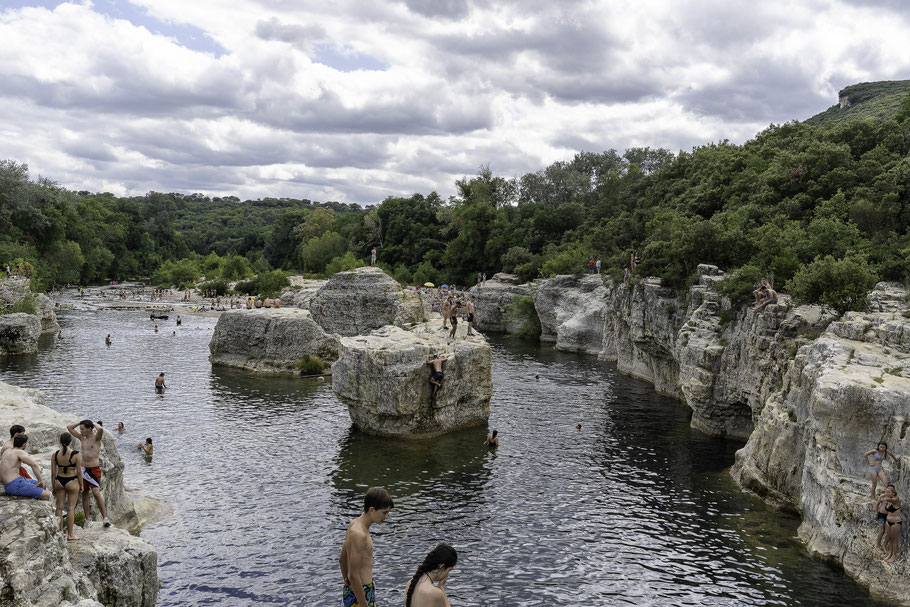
<point>384,379</point>
<point>270,340</point>
<point>38,568</point>
<point>20,330</point>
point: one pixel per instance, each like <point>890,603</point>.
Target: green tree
<point>839,283</point>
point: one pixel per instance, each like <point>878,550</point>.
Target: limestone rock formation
<point>15,289</point>
<point>270,340</point>
<point>384,379</point>
<point>361,300</point>
<point>844,392</point>
<point>19,333</point>
<point>571,312</point>
<point>37,567</point>
<point>301,292</point>
<point>493,299</point>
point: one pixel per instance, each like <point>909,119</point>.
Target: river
<point>635,508</point>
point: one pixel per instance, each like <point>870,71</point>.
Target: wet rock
<point>384,379</point>
<point>364,299</point>
<point>19,333</point>
<point>270,340</point>
<point>493,299</point>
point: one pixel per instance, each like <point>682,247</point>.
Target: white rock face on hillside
<point>571,312</point>
<point>493,299</point>
<point>364,299</point>
<point>384,379</point>
<point>270,340</point>
<point>37,566</point>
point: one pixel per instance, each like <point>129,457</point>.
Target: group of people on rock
<point>449,310</point>
<point>73,473</point>
<point>888,507</point>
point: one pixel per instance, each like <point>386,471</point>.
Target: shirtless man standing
<point>90,436</point>
<point>10,463</point>
<point>159,384</point>
<point>470,311</point>
<point>356,560</point>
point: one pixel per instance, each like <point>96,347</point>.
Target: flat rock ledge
<point>361,300</point>
<point>270,340</point>
<point>38,567</point>
<point>383,377</point>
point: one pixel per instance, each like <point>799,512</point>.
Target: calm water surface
<point>635,508</point>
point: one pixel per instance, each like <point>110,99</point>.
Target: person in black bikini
<point>492,440</point>
<point>66,468</point>
<point>894,523</point>
<point>881,515</point>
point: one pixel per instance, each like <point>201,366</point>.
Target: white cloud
<point>100,103</point>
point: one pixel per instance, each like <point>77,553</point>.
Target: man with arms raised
<point>14,484</point>
<point>90,436</point>
<point>356,558</point>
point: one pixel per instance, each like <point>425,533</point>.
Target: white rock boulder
<point>19,333</point>
<point>270,340</point>
<point>361,300</point>
<point>383,377</point>
<point>493,300</point>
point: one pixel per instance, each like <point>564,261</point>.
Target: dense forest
<point>823,209</point>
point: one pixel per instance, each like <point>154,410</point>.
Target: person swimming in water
<point>107,340</point>
<point>120,427</point>
<point>492,440</point>
<point>159,384</point>
<point>876,469</point>
<point>147,447</point>
<point>427,585</point>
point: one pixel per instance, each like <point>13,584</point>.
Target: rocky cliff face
<point>270,340</point>
<point>37,566</point>
<point>384,379</point>
<point>843,392</point>
<point>364,299</point>
<point>493,299</point>
<point>811,392</point>
<point>14,289</point>
<point>19,333</point>
<point>301,292</point>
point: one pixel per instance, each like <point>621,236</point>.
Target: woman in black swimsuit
<point>894,523</point>
<point>493,440</point>
<point>66,470</point>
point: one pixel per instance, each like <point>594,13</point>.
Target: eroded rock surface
<point>19,333</point>
<point>493,299</point>
<point>384,379</point>
<point>14,289</point>
<point>571,312</point>
<point>364,299</point>
<point>301,292</point>
<point>843,393</point>
<point>38,568</point>
<point>270,340</point>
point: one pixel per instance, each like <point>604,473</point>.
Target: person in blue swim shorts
<point>14,484</point>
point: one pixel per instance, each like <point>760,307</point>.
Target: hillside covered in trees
<point>822,209</point>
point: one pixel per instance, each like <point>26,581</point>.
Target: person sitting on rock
<point>876,470</point>
<point>759,293</point>
<point>436,377</point>
<point>770,297</point>
<point>14,431</point>
<point>10,462</point>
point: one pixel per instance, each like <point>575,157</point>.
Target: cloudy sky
<point>356,100</point>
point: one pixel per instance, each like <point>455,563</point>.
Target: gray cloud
<point>449,9</point>
<point>300,36</point>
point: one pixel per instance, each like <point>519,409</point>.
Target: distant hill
<point>866,100</point>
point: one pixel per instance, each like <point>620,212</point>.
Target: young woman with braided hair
<point>421,592</point>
